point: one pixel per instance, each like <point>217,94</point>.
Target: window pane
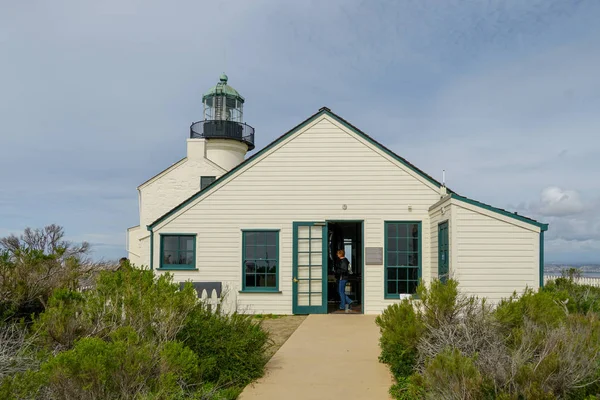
<point>392,287</point>
<point>402,287</point>
<point>261,238</point>
<point>403,274</point>
<point>169,257</point>
<point>402,259</point>
<point>186,243</point>
<point>261,281</point>
<point>272,267</point>
<point>392,244</point>
<point>413,260</point>
<point>271,238</point>
<point>250,267</point>
<point>392,231</point>
<point>271,252</point>
<point>250,251</point>
<point>250,280</point>
<point>261,266</point>
<point>413,244</point>
<point>170,242</point>
<point>392,273</point>
<point>392,259</point>
<point>402,230</point>
<point>190,258</point>
<point>413,273</point>
<point>261,251</point>
<point>250,238</point>
<point>271,280</point>
<point>412,287</point>
<point>402,244</point>
<point>414,230</point>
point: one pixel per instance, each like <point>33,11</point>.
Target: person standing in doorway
<point>342,276</point>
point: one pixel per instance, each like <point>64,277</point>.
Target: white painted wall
<point>307,177</point>
<point>493,255</point>
<point>227,154</point>
<point>177,183</point>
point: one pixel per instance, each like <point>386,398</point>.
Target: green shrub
<point>542,308</point>
<point>441,303</point>
<point>581,298</point>
<point>153,306</point>
<point>540,345</point>
<point>140,335</point>
<point>400,328</point>
<point>409,388</point>
<point>451,375</point>
<point>232,348</point>
<point>124,366</point>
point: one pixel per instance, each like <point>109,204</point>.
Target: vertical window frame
<point>261,289</point>
<point>386,224</point>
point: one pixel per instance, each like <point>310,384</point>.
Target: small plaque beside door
<point>374,255</point>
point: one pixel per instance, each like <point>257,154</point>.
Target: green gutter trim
<point>543,227</point>
<point>322,111</point>
<point>149,227</point>
<point>542,259</point>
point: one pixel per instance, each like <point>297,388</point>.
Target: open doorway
<point>347,236</point>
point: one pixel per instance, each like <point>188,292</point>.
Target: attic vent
<point>206,181</point>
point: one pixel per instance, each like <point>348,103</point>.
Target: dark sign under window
<point>260,260</point>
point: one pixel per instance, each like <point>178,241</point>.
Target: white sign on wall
<point>374,255</point>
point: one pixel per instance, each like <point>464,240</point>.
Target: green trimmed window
<point>260,260</point>
<point>177,251</point>
<point>402,258</point>
<point>206,181</point>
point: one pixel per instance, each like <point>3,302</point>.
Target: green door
<point>309,272</point>
<point>443,252</point>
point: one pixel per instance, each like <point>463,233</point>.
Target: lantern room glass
<point>223,108</point>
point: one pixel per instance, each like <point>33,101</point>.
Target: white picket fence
<point>213,300</point>
<point>581,281</point>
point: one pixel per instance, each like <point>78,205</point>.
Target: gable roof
<point>542,226</point>
<point>328,112</point>
<point>322,111</point>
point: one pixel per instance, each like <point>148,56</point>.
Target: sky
<point>97,96</point>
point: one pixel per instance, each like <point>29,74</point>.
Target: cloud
<point>556,202</point>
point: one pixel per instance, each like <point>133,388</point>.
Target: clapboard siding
<point>307,177</point>
<point>494,255</point>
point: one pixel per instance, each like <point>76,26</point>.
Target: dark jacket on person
<point>342,269</point>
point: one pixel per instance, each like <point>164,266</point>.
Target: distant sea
<point>587,270</point>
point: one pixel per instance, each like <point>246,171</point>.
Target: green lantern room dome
<point>223,89</point>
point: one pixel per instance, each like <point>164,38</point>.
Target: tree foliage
<point>35,264</point>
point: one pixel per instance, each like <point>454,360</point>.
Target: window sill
<point>261,291</point>
<point>176,269</point>
<point>397,297</point>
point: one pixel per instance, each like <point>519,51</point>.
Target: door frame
<point>362,240</point>
<point>447,226</point>
<point>322,309</point>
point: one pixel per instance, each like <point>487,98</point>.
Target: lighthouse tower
<point>226,137</point>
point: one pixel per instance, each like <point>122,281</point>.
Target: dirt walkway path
<point>327,357</point>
